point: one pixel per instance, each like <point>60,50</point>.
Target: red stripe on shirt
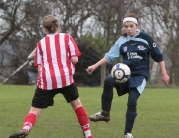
<point>68,61</point>
<point>59,60</point>
<point>49,57</point>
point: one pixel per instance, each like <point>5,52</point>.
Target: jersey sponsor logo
<point>125,49</point>
<point>154,45</point>
<point>133,55</point>
<point>141,47</point>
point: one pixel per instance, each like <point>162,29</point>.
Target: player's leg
<point>106,100</point>
<point>42,99</point>
<point>137,86</point>
<point>31,118</point>
<point>71,95</point>
<point>131,112</point>
<point>82,117</point>
<point>107,95</point>
<point>29,122</point>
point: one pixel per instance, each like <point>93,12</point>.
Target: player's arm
<point>37,58</point>
<point>109,57</point>
<point>74,60</point>
<point>74,51</point>
<point>39,66</point>
<point>91,68</point>
<point>158,57</point>
<point>165,77</point>
<point>155,51</point>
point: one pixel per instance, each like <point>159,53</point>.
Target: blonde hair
<point>129,15</point>
<point>51,24</point>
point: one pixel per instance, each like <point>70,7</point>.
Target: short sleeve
<point>74,51</point>
<point>114,52</point>
<point>38,55</point>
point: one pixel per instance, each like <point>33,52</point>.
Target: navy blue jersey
<point>136,52</point>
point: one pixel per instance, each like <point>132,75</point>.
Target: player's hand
<point>90,69</point>
<point>165,78</point>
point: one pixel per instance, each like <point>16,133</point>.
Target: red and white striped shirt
<point>53,53</point>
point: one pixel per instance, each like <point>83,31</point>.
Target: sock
<point>105,113</point>
<point>29,121</point>
<point>83,121</point>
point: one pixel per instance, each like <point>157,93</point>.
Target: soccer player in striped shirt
<point>56,54</point>
<point>135,47</point>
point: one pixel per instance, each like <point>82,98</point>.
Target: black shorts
<point>44,98</point>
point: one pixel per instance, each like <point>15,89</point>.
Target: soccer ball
<point>121,72</point>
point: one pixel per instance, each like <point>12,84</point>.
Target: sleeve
<point>113,53</point>
<point>155,51</point>
<point>74,51</point>
<point>37,56</point>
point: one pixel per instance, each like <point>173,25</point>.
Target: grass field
<point>158,114</point>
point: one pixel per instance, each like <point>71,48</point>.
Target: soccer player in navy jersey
<point>56,54</point>
<point>136,48</point>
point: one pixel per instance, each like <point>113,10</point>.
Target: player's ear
<point>46,31</point>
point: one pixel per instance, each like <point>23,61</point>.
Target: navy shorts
<point>138,82</point>
<point>44,98</point>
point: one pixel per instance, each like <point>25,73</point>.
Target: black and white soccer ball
<point>121,72</point>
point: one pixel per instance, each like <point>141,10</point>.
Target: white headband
<point>130,19</point>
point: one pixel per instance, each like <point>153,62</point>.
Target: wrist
<point>96,65</point>
<point>164,73</point>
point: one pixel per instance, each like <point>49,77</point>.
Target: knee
<point>36,111</point>
<point>109,80</point>
<point>76,104</point>
<point>131,104</point>
<point>132,107</point>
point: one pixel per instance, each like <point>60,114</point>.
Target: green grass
<point>158,115</point>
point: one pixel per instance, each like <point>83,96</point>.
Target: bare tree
<point>9,16</point>
<point>73,14</point>
<point>173,50</point>
<point>158,15</point>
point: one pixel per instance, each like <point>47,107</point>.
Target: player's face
<point>130,28</point>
